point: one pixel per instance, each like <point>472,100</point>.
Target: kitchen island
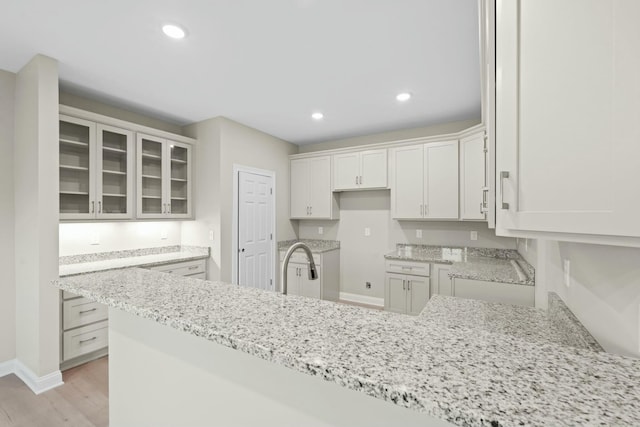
<point>192,352</point>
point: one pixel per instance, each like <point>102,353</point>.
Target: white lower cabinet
<point>507,293</point>
<point>406,293</point>
<point>440,281</point>
<point>326,286</point>
<point>84,324</point>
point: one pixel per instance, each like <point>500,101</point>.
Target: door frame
<point>235,223</point>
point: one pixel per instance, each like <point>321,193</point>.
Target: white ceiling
<point>266,63</point>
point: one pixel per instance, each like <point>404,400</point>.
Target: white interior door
<point>255,207</point>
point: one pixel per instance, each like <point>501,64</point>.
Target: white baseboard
<point>8,367</point>
<point>362,299</point>
<point>35,383</point>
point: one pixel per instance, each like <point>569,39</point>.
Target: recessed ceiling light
<point>317,116</point>
<point>173,31</point>
<point>404,96</point>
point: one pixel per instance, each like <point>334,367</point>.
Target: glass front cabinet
<point>164,178</point>
<point>96,170</point>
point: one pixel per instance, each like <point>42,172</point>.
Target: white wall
<point>77,238</point>
<point>97,107</point>
<point>206,192</point>
<point>604,292</point>
<point>7,281</point>
<point>421,132</point>
<point>246,146</point>
<point>36,215</point>
<point>362,258</point>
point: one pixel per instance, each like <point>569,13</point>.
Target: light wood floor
<point>83,400</point>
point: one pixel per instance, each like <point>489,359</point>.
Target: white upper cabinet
<point>425,181</point>
<point>473,177</point>
<point>568,103</point>
<point>360,170</point>
<point>164,178</point>
<point>310,189</point>
<point>96,170</point>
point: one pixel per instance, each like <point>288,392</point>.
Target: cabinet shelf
<point>184,162</point>
<point>151,177</point>
<point>113,195</point>
<point>152,197</point>
<point>113,172</point>
<point>178,198</point>
<point>114,150</point>
<point>75,193</point>
<point>73,143</point>
<point>75,168</point>
<point>179,179</point>
<point>151,156</point>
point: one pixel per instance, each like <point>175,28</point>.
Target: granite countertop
<point>494,265</point>
<point>463,372</point>
<point>79,264</point>
<point>317,246</point>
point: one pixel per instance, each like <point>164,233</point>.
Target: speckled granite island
<point>192,352</point>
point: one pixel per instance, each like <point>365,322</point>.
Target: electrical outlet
<point>566,268</point>
<point>321,230</point>
<point>419,234</point>
<point>95,238</point>
<point>164,234</point>
<point>474,235</point>
<point>367,231</point>
<point>210,234</point>
<point>367,285</point>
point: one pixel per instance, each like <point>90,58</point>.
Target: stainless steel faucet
<point>313,272</point>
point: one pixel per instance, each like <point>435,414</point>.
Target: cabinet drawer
<point>300,257</point>
<point>407,267</point>
<point>85,340</point>
<point>183,268</point>
<point>81,311</point>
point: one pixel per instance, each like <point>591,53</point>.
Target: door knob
<point>242,249</point>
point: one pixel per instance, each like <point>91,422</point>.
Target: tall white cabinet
<point>425,181</point>
<point>568,102</point>
<point>96,170</point>
<point>164,178</point>
<point>310,190</point>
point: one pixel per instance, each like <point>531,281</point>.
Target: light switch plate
<point>419,234</point>
<point>367,231</point>
<point>321,230</point>
<point>95,238</point>
<point>474,235</point>
<point>566,268</point>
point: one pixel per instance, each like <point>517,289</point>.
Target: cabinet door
<point>178,180</point>
<point>373,169</point>
<point>440,280</point>
<point>320,187</point>
<point>151,170</point>
<point>77,168</point>
<point>407,189</point>
<point>346,171</point>
<point>568,101</point>
<point>293,279</point>
<point>441,180</point>
<point>299,188</point>
<point>418,293</point>
<point>472,177</point>
<point>395,298</point>
<point>114,178</point>
<point>310,288</point>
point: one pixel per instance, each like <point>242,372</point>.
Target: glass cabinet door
<point>179,191</point>
<point>115,181</point>
<point>77,164</point>
<point>151,155</point>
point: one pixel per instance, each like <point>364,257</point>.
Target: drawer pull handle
<point>88,339</point>
<point>88,311</point>
<point>195,267</point>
